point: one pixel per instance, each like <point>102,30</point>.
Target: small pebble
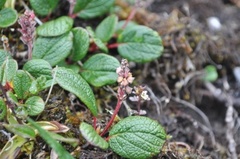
<point>236,73</point>
<point>214,23</point>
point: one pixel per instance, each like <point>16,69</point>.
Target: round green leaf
<point>21,84</point>
<point>106,28</point>
<point>43,7</point>
<point>211,74</point>
<point>139,44</point>
<point>55,27</point>
<point>80,43</point>
<point>96,8</point>
<point>100,70</point>
<point>8,16</point>
<point>8,70</point>
<point>75,84</point>
<point>34,105</point>
<point>53,49</point>
<point>38,67</point>
<point>92,136</point>
<point>137,137</point>
<point>3,109</point>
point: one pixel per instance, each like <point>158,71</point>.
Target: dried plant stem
<point>50,90</point>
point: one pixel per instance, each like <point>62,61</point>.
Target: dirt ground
<point>203,118</point>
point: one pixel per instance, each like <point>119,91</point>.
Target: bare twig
<point>229,119</point>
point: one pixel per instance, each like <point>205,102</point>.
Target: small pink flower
<point>27,30</point>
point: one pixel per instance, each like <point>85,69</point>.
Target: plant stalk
<point>118,106</point>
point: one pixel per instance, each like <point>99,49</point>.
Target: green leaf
<point>100,70</point>
<point>137,137</point>
<point>57,147</point>
<point>96,8</point>
<point>120,24</point>
<point>80,43</point>
<point>73,141</point>
<point>73,66</point>
<point>38,84</point>
<point>75,84</point>
<point>140,44</point>
<point>3,109</point>
<point>53,49</point>
<point>106,28</point>
<point>211,74</point>
<point>8,16</point>
<point>43,7</point>
<point>8,70</point>
<point>100,45</point>
<point>38,67</point>
<point>34,105</point>
<point>11,148</point>
<point>3,56</point>
<point>21,130</point>
<point>21,84</point>
<point>92,136</point>
<point>81,4</point>
<point>2,2</point>
<point>55,27</point>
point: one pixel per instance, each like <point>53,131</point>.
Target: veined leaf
<point>139,44</point>
<point>54,49</point>
<point>38,67</point>
<point>8,70</point>
<point>92,136</point>
<point>75,84</point>
<point>21,84</point>
<point>95,8</point>
<point>100,70</point>
<point>80,43</point>
<point>43,7</point>
<point>3,109</point>
<point>34,105</point>
<point>3,56</point>
<point>55,27</point>
<point>106,28</point>
<point>137,137</point>
<point>8,16</point>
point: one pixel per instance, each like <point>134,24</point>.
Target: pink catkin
<point>27,30</point>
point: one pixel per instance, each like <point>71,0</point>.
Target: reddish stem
<point>73,16</point>
<point>93,47</point>
<point>130,17</point>
<point>119,103</point>
<point>112,46</point>
<point>29,51</point>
